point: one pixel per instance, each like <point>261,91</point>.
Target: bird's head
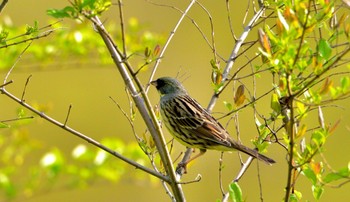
<point>168,85</point>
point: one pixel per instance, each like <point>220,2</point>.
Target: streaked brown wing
<point>188,114</point>
<point>212,131</point>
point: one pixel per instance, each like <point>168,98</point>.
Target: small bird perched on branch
<point>191,125</point>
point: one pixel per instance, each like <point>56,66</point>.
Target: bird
<point>192,125</point>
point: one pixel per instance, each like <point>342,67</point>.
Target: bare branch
<point>121,16</point>
<point>25,87</point>
<point>172,33</point>
<point>14,64</point>
<point>143,104</point>
<point>68,113</point>
<point>6,83</point>
<point>84,137</point>
<point>3,4</point>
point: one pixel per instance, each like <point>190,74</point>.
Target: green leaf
<point>4,125</point>
<point>325,49</point>
<point>318,137</point>
<point>67,12</point>
<point>228,105</point>
<point>3,36</point>
<point>275,104</point>
<point>293,198</point>
<point>21,113</point>
<point>341,174</point>
<point>6,185</point>
<point>53,162</point>
<point>345,83</point>
<point>317,191</point>
<point>32,29</point>
<point>235,192</point>
<point>310,174</point>
<point>296,196</point>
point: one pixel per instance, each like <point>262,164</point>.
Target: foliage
<point>80,41</point>
<point>55,169</point>
<point>305,70</point>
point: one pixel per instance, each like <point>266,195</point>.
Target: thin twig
<point>234,53</point>
<point>172,33</point>
<point>44,34</point>
<point>197,179</point>
<point>143,104</point>
<point>220,173</point>
<point>3,4</point>
<point>121,16</point>
<point>25,87</point>
<point>68,113</point>
<point>213,46</point>
<point>6,83</point>
<point>17,119</point>
<point>15,63</point>
<point>229,20</point>
<point>84,137</point>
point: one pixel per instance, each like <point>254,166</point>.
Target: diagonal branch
<point>82,136</point>
<point>143,104</point>
<point>172,33</point>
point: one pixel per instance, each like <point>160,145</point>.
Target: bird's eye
<point>160,83</point>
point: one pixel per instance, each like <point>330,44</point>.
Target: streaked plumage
<point>191,124</point>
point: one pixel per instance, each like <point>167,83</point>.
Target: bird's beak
<point>154,83</point>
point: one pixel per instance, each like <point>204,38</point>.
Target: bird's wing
<point>190,115</point>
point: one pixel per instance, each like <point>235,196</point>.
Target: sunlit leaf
<point>321,117</point>
<point>4,125</point>
<point>147,52</point>
<point>310,174</point>
<point>239,95</point>
<point>301,131</point>
<point>235,192</point>
<point>100,157</point>
<point>228,105</point>
<point>66,12</point>
<point>317,167</point>
<point>282,20</point>
<point>345,83</point>
<point>301,109</point>
<point>264,41</point>
<point>79,151</point>
<point>111,174</point>
<point>282,83</point>
<point>347,30</point>
<point>6,185</point>
<point>318,137</point>
<point>325,50</point>
<point>53,162</point>
<point>215,65</point>
<point>327,85</point>
<point>334,176</point>
<point>317,191</point>
<point>21,113</point>
<point>275,104</point>
<point>156,50</point>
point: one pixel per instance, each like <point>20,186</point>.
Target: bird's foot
<point>181,168</point>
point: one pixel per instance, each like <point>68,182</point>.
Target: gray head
<point>168,85</point>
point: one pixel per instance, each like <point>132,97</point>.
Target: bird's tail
<point>256,154</point>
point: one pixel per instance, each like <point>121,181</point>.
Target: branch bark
<point>145,108</point>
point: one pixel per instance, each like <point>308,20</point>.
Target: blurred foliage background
<point>47,163</point>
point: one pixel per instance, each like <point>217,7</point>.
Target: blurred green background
<point>87,87</point>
